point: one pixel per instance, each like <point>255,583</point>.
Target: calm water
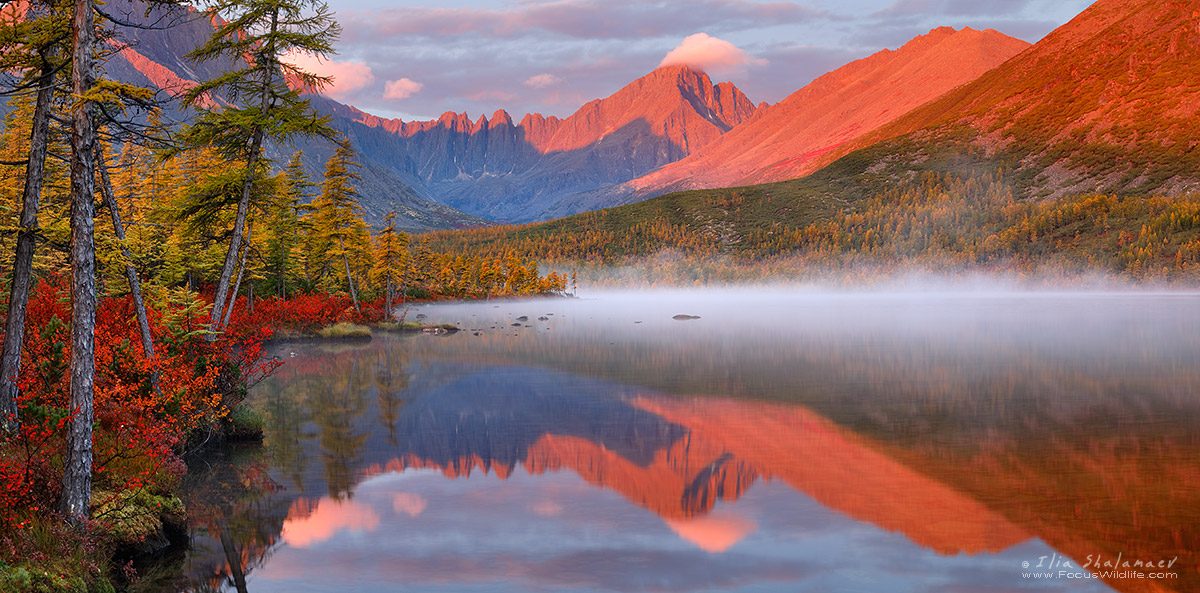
<point>780,442</point>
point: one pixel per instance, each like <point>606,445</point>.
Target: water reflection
<point>933,450</point>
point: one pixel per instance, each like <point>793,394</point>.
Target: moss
<point>66,563</point>
<point>24,579</point>
<point>245,423</point>
<point>101,585</point>
<point>132,517</point>
<point>345,330</point>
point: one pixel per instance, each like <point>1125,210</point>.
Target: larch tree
<point>338,212</point>
<point>391,260</point>
<point>30,45</point>
<point>284,221</point>
<point>255,35</point>
<point>77,465</point>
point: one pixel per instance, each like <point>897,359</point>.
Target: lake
<point>776,441</point>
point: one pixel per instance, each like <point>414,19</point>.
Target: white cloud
<point>404,88</point>
<point>542,81</point>
<point>347,76</point>
<point>710,54</point>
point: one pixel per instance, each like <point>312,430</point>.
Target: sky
<point>417,59</point>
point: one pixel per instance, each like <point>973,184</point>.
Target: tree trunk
<point>256,140</point>
<point>349,278</point>
<point>235,242</point>
<point>237,285</point>
<point>135,285</point>
<point>234,558</point>
<point>387,297</point>
<point>14,328</point>
<point>77,470</point>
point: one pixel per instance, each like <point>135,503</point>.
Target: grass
<point>345,331</point>
<point>52,558</point>
<point>245,423</point>
<point>397,326</point>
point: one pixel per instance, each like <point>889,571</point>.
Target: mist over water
<point>1054,323</point>
<point>773,440</point>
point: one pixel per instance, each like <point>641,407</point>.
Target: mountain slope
<point>1107,102</point>
<point>515,171</point>
<point>784,140</point>
<point>154,57</point>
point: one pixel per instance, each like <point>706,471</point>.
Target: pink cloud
<point>492,96</point>
<point>546,508</point>
<point>713,533</point>
<point>584,19</point>
<point>408,503</point>
<point>347,76</point>
<point>710,54</point>
<point>330,517</point>
<point>542,81</point>
<point>404,88</point>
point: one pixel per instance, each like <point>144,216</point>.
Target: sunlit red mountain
<point>674,129</point>
<point>784,140</point>
<point>1106,102</point>
<point>501,168</point>
<point>731,445</point>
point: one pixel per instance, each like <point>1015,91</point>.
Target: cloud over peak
<point>347,76</point>
<point>710,54</point>
<point>397,90</point>
<point>542,81</point>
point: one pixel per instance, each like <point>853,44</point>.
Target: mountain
<point>995,176</point>
<point>1106,102</point>
<point>502,170</point>
<point>784,140</point>
<point>153,55</point>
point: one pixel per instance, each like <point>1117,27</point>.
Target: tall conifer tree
<point>32,45</point>
<point>255,35</point>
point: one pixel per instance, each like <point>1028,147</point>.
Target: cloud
<point>583,19</point>
<point>713,533</point>
<point>404,88</point>
<point>542,81</point>
<point>330,517</point>
<point>409,503</point>
<point>546,508</point>
<point>347,76</point>
<point>492,95</point>
<point>715,56</point>
<point>901,8</point>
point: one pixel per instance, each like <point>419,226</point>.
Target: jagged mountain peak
<point>787,139</point>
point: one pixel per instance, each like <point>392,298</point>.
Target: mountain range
<point>670,129</point>
<point>502,170</point>
<point>647,138</point>
<point>1082,110</point>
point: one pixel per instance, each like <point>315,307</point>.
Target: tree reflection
<point>959,449</point>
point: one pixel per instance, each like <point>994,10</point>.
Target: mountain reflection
<point>915,439</point>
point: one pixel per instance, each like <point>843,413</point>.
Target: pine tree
<point>256,34</point>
